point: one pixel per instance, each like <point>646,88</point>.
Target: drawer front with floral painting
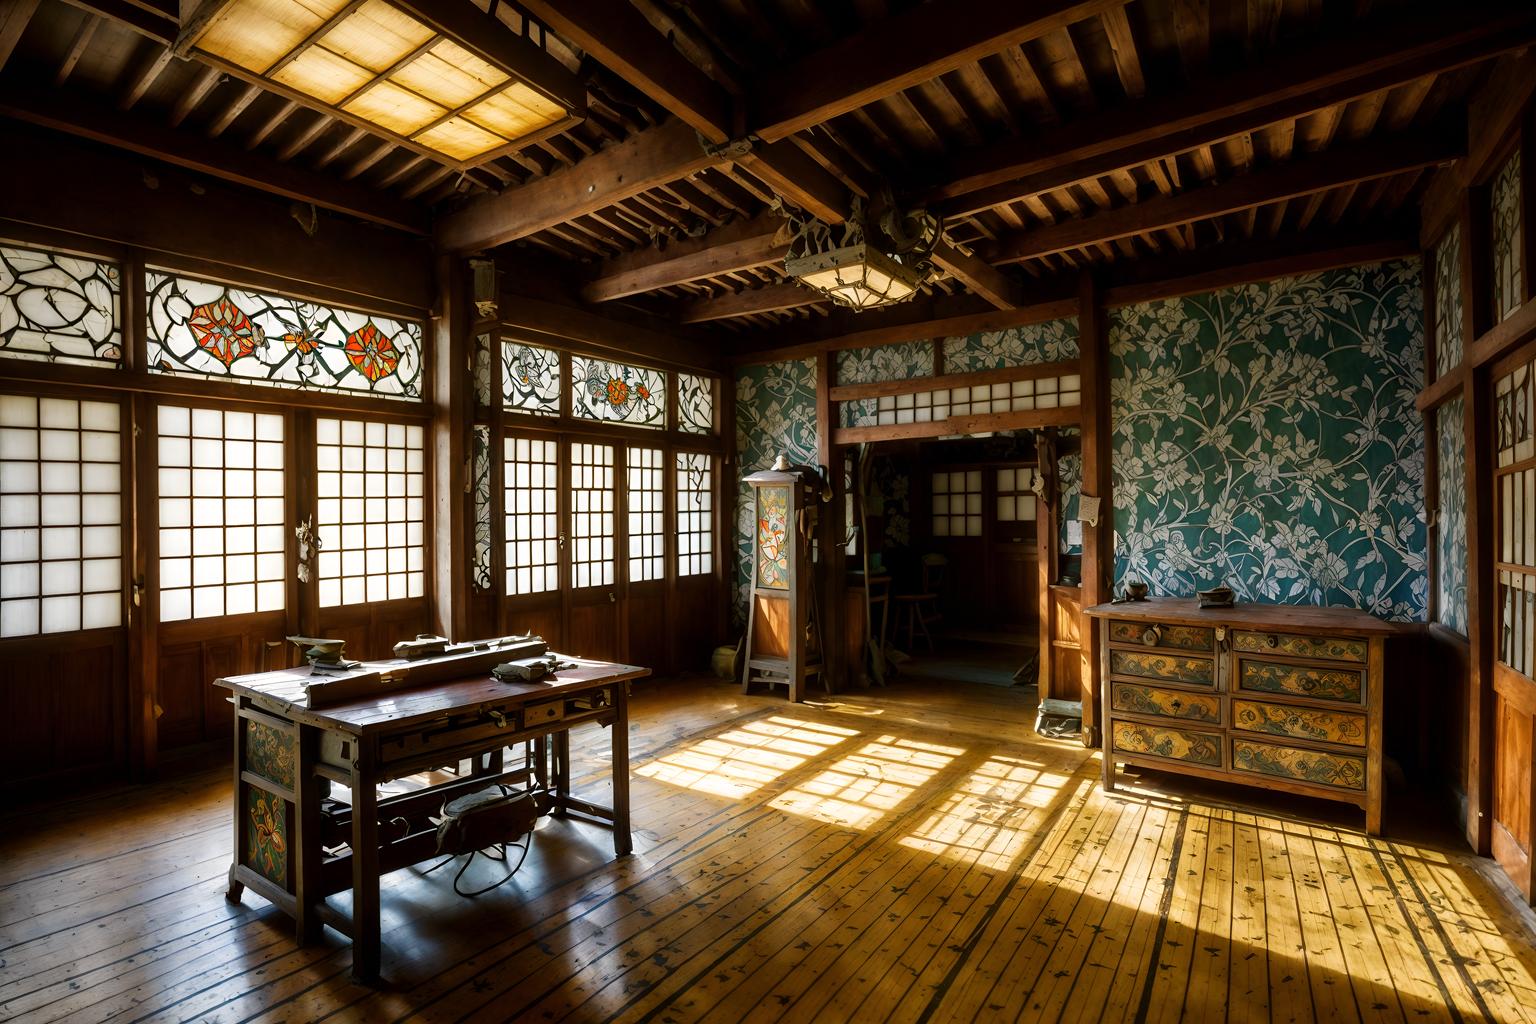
<point>1135,699</point>
<point>1202,748</point>
<point>1332,648</point>
<point>1316,682</point>
<point>1168,668</point>
<point>1316,767</point>
<point>1200,639</point>
<point>1303,723</point>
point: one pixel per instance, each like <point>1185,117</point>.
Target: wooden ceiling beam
<point>150,24</point>
<point>790,171</point>
<point>14,18</point>
<point>767,299</point>
<point>77,47</point>
<point>61,112</point>
<point>655,157</point>
<point>898,53</point>
<point>1349,65</point>
<point>739,245</point>
<point>1285,180</point>
<point>979,276</point>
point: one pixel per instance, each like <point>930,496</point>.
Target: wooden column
<point>452,397</point>
<point>1098,540</point>
<point>1476,297</point>
<point>833,568</point>
<point>1047,509</point>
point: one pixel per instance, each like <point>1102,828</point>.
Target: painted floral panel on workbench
<point>1451,540</point>
<point>618,393</point>
<point>1049,342</point>
<point>269,752</point>
<point>59,308</point>
<point>775,415</point>
<point>207,329</point>
<point>530,379</point>
<point>1449,323</point>
<point>1508,253</point>
<point>1265,437</point>
<point>906,361</point>
<point>267,843</point>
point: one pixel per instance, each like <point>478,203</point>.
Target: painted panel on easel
<point>1314,766</point>
<point>266,835</point>
<point>1196,747</point>
<point>269,752</point>
<point>1200,671</point>
<point>1302,680</point>
<point>1302,723</point>
<point>1149,700</point>
<point>773,537</point>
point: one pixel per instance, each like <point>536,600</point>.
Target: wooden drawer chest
<point>1278,696</point>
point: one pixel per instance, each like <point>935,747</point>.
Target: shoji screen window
<point>221,513</point>
<point>695,514</point>
<point>1015,499</point>
<point>645,497</point>
<point>957,504</point>
<point>370,511</point>
<point>60,515</point>
<point>531,478</point>
<point>592,522</point>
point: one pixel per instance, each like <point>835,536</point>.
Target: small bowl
<point>1136,591</point>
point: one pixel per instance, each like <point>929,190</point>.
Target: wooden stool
<point>915,611</point>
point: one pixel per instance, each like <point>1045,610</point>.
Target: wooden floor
<point>902,855</point>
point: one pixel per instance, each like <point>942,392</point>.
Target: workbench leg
<point>561,743</point>
<point>365,873</point>
<point>307,853</point>
<point>623,843</point>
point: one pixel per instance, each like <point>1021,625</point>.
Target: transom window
<point>59,308</point>
<point>370,522</point>
<point>618,393</point>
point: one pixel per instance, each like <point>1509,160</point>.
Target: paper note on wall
<point>1074,533</point>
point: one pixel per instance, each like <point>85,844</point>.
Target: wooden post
<point>1046,510</point>
<point>833,577</point>
<point>452,406</point>
<point>1098,540</point>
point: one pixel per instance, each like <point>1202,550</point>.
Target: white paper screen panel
<point>644,510</point>
<point>592,522</point>
<point>221,513</point>
<point>531,482</point>
<point>61,564</point>
<point>1015,498</point>
<point>941,404</point>
<point>370,511</point>
<point>695,514</point>
<point>957,503</point>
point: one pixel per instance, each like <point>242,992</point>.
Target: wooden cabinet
<point>1283,697</point>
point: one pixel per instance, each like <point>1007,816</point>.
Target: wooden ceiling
<point>1052,136</point>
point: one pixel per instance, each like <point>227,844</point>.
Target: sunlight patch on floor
<point>859,789</point>
<point>740,761</point>
<point>987,817</point>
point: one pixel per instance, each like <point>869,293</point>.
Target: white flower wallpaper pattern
<point>1451,546</point>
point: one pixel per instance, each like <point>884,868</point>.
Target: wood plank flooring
<point>909,854</point>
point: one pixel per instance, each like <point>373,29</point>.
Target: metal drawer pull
<point>1152,635</point>
<point>1272,641</point>
<point>497,717</point>
<point>1176,704</point>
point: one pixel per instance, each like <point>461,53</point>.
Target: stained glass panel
<point>221,513</point>
<point>204,329</point>
<point>370,511</point>
<point>695,404</point>
<point>530,379</point>
<point>480,568</point>
<point>59,308</point>
<point>1448,321</point>
<point>61,563</point>
<point>618,393</point>
<point>483,371</point>
<point>695,514</point>
<point>1507,250</point>
<point>773,537</point>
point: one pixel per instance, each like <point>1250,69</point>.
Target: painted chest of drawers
<point>1278,696</point>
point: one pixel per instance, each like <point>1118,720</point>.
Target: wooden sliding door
<point>1514,709</point>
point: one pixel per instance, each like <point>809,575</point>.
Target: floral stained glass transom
<point>370,511</point>
<point>1507,254</point>
<point>221,513</point>
<point>530,379</point>
<point>618,393</point>
<point>773,537</point>
<point>59,308</point>
<point>1448,315</point>
<point>695,404</point>
<point>205,329</point>
<point>61,565</point>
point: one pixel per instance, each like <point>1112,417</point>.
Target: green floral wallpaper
<point>1451,546</point>
<point>905,361</point>
<point>1069,475</point>
<point>1266,436</point>
<point>1049,342</point>
<point>775,415</point>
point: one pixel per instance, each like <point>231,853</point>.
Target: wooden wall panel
<point>540,619</point>
<point>695,623</point>
<point>1512,770</point>
<point>592,632</point>
<point>372,630</point>
<point>1446,672</point>
<point>63,707</point>
<point>195,653</point>
<point>647,626</point>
